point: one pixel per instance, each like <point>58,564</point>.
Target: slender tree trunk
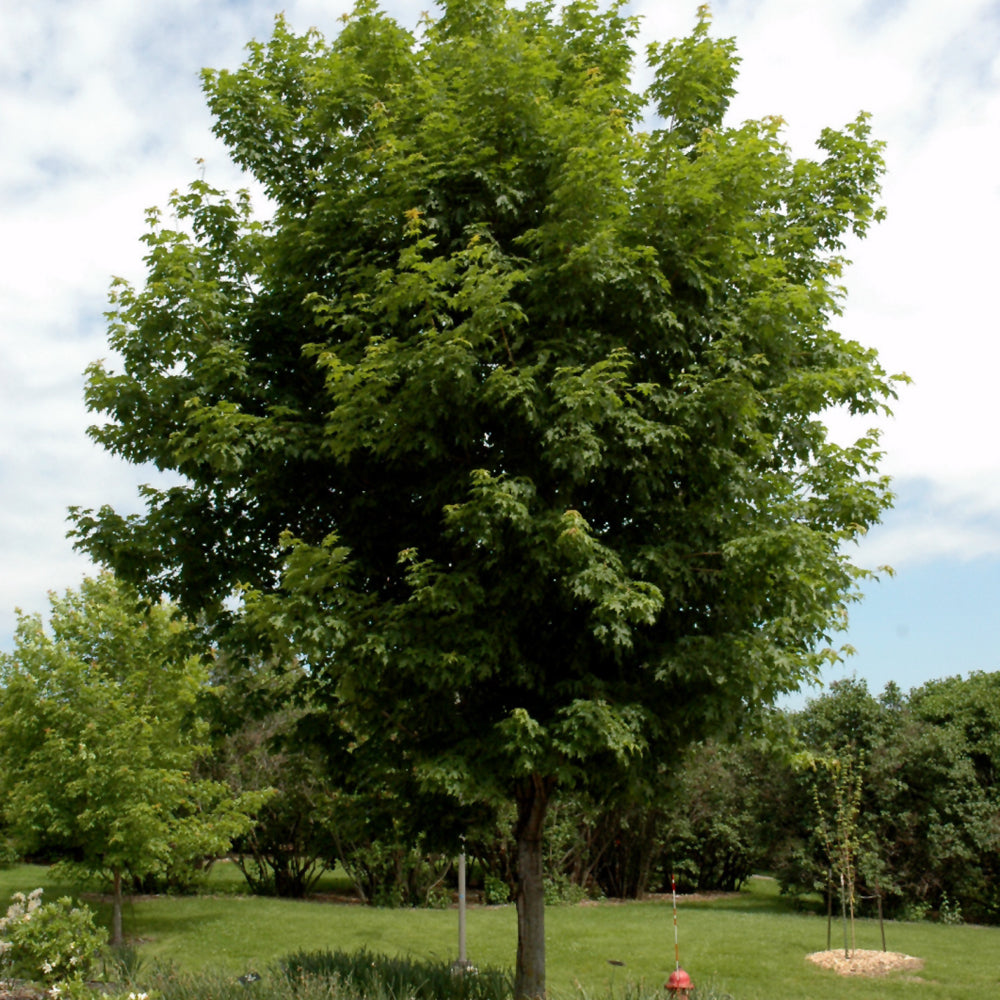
<point>532,803</point>
<point>829,908</point>
<point>116,911</point>
<point>881,922</point>
<point>843,913</point>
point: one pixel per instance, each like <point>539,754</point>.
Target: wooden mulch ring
<point>865,963</point>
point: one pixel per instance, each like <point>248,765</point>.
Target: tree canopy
<point>508,422</point>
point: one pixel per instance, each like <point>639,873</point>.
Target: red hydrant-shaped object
<point>679,983</point>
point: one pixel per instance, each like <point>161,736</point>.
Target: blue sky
<point>101,116</point>
<point>933,620</point>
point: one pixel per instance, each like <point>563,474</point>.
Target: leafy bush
<point>48,942</point>
<point>915,910</point>
<point>950,911</point>
<point>561,890</point>
<point>393,874</point>
<point>8,853</point>
<point>495,890</point>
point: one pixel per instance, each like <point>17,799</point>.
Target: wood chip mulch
<point>866,963</point>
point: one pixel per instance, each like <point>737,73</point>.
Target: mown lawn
<point>752,946</point>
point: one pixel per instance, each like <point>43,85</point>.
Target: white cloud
<point>909,541</point>
<point>921,288</point>
<point>102,115</point>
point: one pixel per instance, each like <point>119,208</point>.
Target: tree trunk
<point>532,803</point>
<point>116,911</point>
<point>829,908</point>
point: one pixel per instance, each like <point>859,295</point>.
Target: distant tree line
<point>924,839</point>
<point>891,801</point>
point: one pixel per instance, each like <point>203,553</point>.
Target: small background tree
<point>836,789</point>
<point>98,738</point>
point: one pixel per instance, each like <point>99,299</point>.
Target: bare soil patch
<point>865,963</point>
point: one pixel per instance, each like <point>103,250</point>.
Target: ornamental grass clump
<point>372,976</point>
<point>48,943</point>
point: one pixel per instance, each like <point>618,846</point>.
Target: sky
<point>102,116</point>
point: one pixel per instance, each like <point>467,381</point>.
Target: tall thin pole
<point>462,961</point>
<point>677,948</point>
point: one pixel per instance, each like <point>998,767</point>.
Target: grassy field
<point>752,946</point>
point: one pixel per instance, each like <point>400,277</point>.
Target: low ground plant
<point>367,974</point>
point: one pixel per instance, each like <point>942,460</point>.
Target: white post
<point>462,961</point>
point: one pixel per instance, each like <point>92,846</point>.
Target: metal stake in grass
<point>679,982</point>
<point>677,947</point>
<point>463,963</point>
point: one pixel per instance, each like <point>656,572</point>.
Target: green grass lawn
<point>752,946</point>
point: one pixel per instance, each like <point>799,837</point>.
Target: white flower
<point>46,967</point>
<point>55,990</point>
